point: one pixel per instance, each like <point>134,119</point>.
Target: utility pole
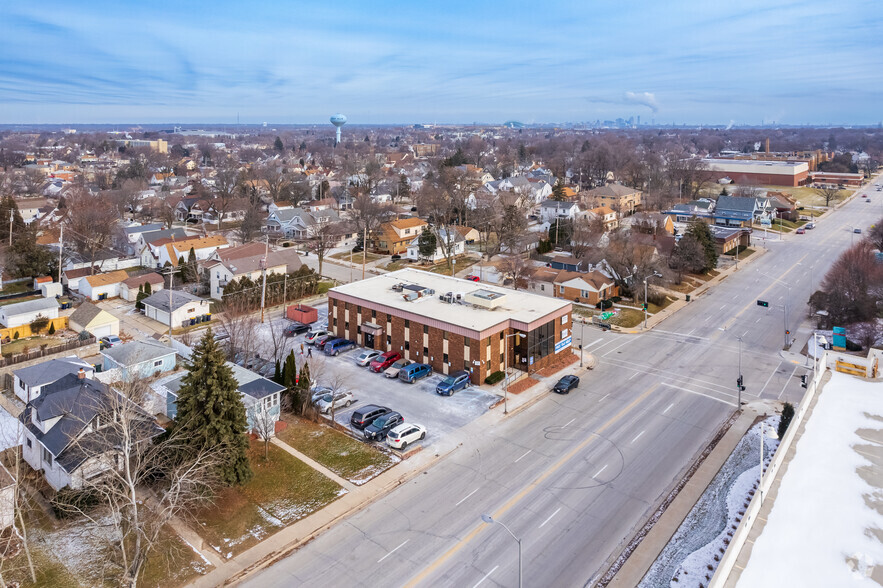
<point>10,226</point>
<point>285,286</point>
<point>171,280</point>
<point>60,249</point>
<point>264,272</point>
<point>364,249</point>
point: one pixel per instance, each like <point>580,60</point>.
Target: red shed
<point>302,313</point>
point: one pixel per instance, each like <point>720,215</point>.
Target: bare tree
<point>13,437</point>
<point>829,194</point>
<point>875,235</point>
<point>278,344</point>
<point>226,182</point>
<point>239,323</point>
<point>91,224</point>
<point>338,382</point>
<point>324,237</point>
<point>586,233</point>
<point>515,268</point>
<point>687,256</point>
<point>265,428</point>
<point>368,215</point>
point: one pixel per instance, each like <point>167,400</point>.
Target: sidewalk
<point>649,548</point>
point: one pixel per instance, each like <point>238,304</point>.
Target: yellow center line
<point>529,488</point>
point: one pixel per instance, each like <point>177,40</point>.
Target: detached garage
<point>98,323</point>
<point>103,286</point>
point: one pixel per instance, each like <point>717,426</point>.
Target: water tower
<point>338,120</point>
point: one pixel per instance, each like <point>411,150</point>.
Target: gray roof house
<point>160,300</point>
<point>139,359</point>
<point>28,381</point>
<point>184,307</point>
<point>297,222</point>
<point>67,434</point>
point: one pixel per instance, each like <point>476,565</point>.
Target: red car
<point>473,278</point>
<point>384,361</point>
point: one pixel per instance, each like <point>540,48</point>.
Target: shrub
<point>51,328</point>
<point>84,335</point>
<point>494,378</point>
<point>604,304</point>
<point>616,299</point>
<point>785,419</point>
<point>656,297</point>
<point>39,323</point>
<point>68,501</point>
<point>852,346</point>
<point>15,336</point>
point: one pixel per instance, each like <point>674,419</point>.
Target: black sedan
<point>566,384</point>
<point>295,328</point>
<point>382,425</point>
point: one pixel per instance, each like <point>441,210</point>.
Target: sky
<point>694,62</point>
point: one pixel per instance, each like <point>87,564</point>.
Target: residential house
<point>246,261</point>
<point>726,239</point>
<point>235,211</point>
<point>191,210</point>
<point>129,288</point>
<point>29,381</point>
<point>469,234</point>
<point>184,307</point>
<point>551,210</point>
<point>651,223</point>
<point>133,234</point>
<point>168,251</point>
<point>784,205</point>
<point>296,223</point>
<point>457,247</point>
<point>139,359</point>
<point>607,216</point>
<point>566,263</point>
<point>103,286</point>
<point>149,238</point>
<point>393,237</point>
<point>616,196</point>
<point>733,211</point>
<point>587,288</point>
<point>95,321</point>
<point>69,415</point>
<point>23,313</point>
<point>259,395</point>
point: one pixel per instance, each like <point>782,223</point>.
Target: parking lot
<point>418,402</point>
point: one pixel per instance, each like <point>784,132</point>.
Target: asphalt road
<point>573,476</point>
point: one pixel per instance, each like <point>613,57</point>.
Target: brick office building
<point>451,323</point>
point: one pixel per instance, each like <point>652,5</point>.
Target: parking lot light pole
<point>490,520</point>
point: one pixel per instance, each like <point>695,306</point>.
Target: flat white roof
<point>514,305</point>
<point>755,166</point>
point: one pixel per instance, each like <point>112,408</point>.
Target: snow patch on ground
<point>707,529</point>
<point>10,430</point>
<point>818,532</point>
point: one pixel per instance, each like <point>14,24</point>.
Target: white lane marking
<point>699,393</point>
<point>656,332</point>
<point>393,551</point>
<point>599,472</point>
<point>485,577</point>
<point>770,378</point>
<point>543,524</point>
<point>757,321</point>
<point>570,421</point>
<point>708,318</point>
<point>691,332</point>
<point>615,348</point>
<point>714,386</point>
<point>669,408</point>
<point>603,397</point>
<point>633,375</point>
<point>525,455</point>
<point>723,306</point>
<point>462,500</point>
<point>794,371</point>
<point>638,436</point>
<point>592,343</point>
<point>780,297</point>
<point>735,296</point>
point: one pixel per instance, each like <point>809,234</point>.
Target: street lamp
<point>773,435</point>
<point>490,520</point>
<point>655,275</point>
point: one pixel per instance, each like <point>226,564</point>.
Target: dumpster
<point>302,314</point>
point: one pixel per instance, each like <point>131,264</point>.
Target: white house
<point>458,246</point>
<point>245,261</point>
<point>162,252</point>
<point>552,209</point>
<point>23,313</point>
<point>102,286</point>
<point>28,381</point>
<point>185,306</point>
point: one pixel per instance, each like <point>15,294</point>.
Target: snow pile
<point>820,529</point>
<point>693,553</point>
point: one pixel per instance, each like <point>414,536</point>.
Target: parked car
<point>382,425</point>
<point>337,400</point>
<point>312,336</point>
<point>321,341</point>
<point>414,372</point>
<point>365,415</point>
<point>473,278</point>
<point>857,231</point>
<point>393,370</point>
<point>395,257</point>
<point>111,340</point>
<point>385,360</point>
<point>338,346</point>
<point>801,231</point>
<point>366,357</point>
<point>295,328</point>
<point>455,381</point>
<point>405,434</point>
<point>565,384</point>
<point>809,226</point>
<point>358,249</point>
<point>317,392</point>
<point>867,199</point>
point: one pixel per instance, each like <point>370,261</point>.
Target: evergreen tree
<point>404,186</point>
<point>139,299</point>
<point>277,144</point>
<point>51,328</point>
<point>785,419</point>
<point>426,244</point>
<point>190,272</point>
<point>210,408</point>
<point>558,191</point>
<point>702,233</point>
<point>277,373</point>
<point>147,289</point>
<point>27,258</point>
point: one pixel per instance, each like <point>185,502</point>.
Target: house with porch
<point>551,210</point>
<point>393,237</point>
<point>456,248</point>
<point>139,359</point>
<point>244,261</point>
<point>585,287</point>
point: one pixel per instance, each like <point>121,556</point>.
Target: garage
<point>97,322</point>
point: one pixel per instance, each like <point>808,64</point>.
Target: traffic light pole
<point>739,381</point>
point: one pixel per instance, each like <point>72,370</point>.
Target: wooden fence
<point>43,352</point>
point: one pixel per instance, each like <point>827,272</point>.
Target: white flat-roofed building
<point>769,173</point>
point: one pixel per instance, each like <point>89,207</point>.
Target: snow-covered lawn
<point>695,549</point>
<point>821,529</point>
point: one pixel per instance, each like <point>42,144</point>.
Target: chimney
<point>767,145</point>
<point>81,374</point>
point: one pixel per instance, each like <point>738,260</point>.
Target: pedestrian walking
<point>310,352</point>
<point>301,348</point>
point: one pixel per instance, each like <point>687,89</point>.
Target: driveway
<point>132,322</point>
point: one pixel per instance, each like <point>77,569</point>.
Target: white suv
<point>405,434</point>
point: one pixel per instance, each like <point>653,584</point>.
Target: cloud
<point>647,99</point>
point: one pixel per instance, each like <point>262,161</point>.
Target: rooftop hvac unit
<point>410,296</point>
<point>397,287</point>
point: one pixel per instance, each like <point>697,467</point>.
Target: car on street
<point>365,415</point>
<point>395,257</point>
<point>111,340</point>
<point>454,382</point>
<point>857,231</point>
<point>414,372</point>
<point>321,341</point>
<point>801,231</point>
<point>312,336</point>
<point>403,435</point>
<point>809,226</point>
<point>393,370</point>
<point>565,384</point>
<point>295,328</point>
<point>382,425</point>
<point>336,400</point>
<point>867,199</point>
<point>338,346</point>
<point>473,278</point>
<point>366,357</point>
<point>383,361</point>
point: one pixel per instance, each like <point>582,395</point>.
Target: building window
<point>388,340</point>
<point>346,325</point>
<point>157,363</point>
<point>445,358</point>
<point>561,290</point>
<point>542,288</point>
<point>373,314</point>
<point>425,329</point>
<point>564,320</point>
<point>358,310</point>
<point>47,457</point>
<point>388,320</point>
<point>583,294</point>
<point>30,445</point>
<point>445,335</point>
<point>502,357</point>
<point>407,324</point>
<point>407,345</point>
<point>334,322</point>
<point>426,351</point>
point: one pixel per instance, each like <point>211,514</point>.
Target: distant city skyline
<point>707,63</point>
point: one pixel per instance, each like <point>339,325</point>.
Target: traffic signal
<point>644,306</point>
<point>803,381</point>
<point>739,383</point>
<point>763,303</point>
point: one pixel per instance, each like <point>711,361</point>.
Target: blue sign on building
<point>563,344</point>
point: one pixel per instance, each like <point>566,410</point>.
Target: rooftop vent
<point>484,298</point>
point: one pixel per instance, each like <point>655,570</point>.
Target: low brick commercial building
<point>451,323</point>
